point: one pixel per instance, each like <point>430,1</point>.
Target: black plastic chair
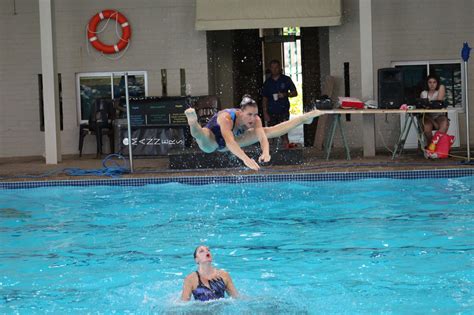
<point>100,124</point>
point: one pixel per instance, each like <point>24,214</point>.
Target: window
<point>41,101</point>
<point>91,86</point>
<point>449,72</point>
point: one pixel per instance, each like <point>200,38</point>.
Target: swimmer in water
<point>207,283</point>
<point>231,129</point>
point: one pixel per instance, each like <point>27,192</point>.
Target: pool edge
<point>236,179</point>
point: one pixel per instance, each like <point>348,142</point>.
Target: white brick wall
<point>163,37</point>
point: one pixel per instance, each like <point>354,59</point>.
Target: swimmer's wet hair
<point>195,251</point>
<point>247,101</point>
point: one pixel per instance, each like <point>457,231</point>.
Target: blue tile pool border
<point>238,179</point>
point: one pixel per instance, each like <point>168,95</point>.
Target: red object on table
<point>350,102</point>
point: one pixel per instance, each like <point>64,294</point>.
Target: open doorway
<point>284,45</point>
<point>238,64</point>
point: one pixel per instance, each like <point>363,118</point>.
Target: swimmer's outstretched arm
<point>262,138</point>
<point>226,124</point>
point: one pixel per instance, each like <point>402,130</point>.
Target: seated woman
<point>434,92</point>
<point>207,283</point>
<point>231,129</point>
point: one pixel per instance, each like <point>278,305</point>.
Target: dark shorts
<point>275,119</point>
<point>435,118</point>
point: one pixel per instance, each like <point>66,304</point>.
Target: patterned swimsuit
<point>216,290</point>
<point>214,126</point>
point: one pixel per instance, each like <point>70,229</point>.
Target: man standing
<point>276,91</point>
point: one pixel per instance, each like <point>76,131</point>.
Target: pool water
<point>365,246</point>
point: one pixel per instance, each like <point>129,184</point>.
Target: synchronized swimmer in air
<point>232,129</point>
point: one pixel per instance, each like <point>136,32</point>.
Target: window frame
<point>79,75</point>
<point>460,109</point>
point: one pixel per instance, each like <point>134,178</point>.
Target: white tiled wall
<point>163,37</point>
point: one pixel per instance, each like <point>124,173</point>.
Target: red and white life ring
<point>92,31</point>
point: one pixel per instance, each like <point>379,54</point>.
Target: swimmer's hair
<point>196,250</point>
<point>247,100</point>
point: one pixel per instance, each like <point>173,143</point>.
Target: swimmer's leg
<point>284,127</point>
<point>250,136</point>
<point>204,137</point>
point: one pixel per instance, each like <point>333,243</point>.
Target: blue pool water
<point>365,246</point>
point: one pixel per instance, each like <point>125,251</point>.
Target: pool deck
<point>35,168</point>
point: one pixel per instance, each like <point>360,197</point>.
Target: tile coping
<point>236,179</point>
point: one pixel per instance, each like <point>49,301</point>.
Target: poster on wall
<point>152,141</point>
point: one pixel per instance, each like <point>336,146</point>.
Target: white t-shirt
<point>433,97</point>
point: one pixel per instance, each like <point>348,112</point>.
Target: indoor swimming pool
<point>356,246</point>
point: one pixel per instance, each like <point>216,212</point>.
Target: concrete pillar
<point>367,74</point>
<point>50,83</point>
